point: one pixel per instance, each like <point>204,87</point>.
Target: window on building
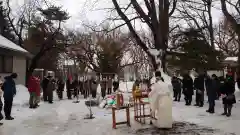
<point>6,64</point>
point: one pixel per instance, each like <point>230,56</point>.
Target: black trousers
<point>45,95</point>
<point>50,96</point>
<point>109,91</point>
<point>94,93</point>
<point>103,92</point>
<point>60,94</point>
<point>200,99</point>
<point>188,99</point>
<point>211,105</point>
<point>1,105</point>
<point>69,94</point>
<point>115,89</point>
<point>227,108</point>
<point>86,93</point>
<point>177,94</point>
<point>8,107</point>
<point>76,92</point>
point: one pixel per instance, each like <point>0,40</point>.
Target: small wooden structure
<point>114,123</point>
<point>140,107</point>
<point>120,106</point>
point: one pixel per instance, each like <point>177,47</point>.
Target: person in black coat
<point>228,95</point>
<point>80,82</point>
<point>115,85</point>
<point>60,89</point>
<point>9,89</point>
<point>44,87</point>
<point>69,88</point>
<point>199,87</point>
<point>94,85</point>
<point>87,88</point>
<point>187,88</point>
<point>176,83</point>
<point>75,87</point>
<point>212,92</point>
<point>103,85</point>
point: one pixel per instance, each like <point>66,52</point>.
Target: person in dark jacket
<point>9,89</point>
<point>109,86</point>
<point>60,89</point>
<point>115,85</point>
<point>75,86</point>
<point>187,88</point>
<point>87,88</point>
<point>81,86</point>
<point>176,83</point>
<point>44,87</point>
<point>94,86</point>
<point>228,95</point>
<point>199,87</point>
<point>69,87</point>
<point>212,93</point>
<point>103,85</point>
<point>51,86</point>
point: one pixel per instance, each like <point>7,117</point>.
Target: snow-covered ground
<point>67,118</point>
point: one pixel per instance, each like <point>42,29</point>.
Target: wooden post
<point>128,116</point>
<point>113,118</point>
<point>144,113</point>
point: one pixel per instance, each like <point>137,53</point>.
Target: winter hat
<point>14,75</point>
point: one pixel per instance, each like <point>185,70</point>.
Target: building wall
<point>19,67</point>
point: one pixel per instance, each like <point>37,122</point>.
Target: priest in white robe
<point>161,103</point>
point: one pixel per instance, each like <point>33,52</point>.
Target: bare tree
<point>233,19</point>
<point>226,38</point>
<point>156,17</point>
<point>101,51</point>
<point>22,18</point>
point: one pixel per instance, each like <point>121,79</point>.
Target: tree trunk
<point>33,64</point>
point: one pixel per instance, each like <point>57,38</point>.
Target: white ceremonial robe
<point>161,104</point>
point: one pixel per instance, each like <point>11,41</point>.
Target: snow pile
<point>22,95</point>
<point>5,43</point>
<point>231,59</point>
<point>157,53</point>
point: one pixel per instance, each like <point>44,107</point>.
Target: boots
<point>229,108</point>
<point>225,110</point>
<point>212,110</point>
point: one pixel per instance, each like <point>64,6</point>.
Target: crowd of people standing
<point>74,87</point>
<point>89,86</point>
<point>214,87</point>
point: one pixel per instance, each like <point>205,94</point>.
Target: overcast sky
<point>85,11</point>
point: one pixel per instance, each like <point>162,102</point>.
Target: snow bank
<point>22,95</point>
<point>5,43</point>
<point>231,59</point>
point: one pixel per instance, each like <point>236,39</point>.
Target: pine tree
<point>198,53</point>
<point>5,28</point>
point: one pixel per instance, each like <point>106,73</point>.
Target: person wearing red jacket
<point>34,91</point>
